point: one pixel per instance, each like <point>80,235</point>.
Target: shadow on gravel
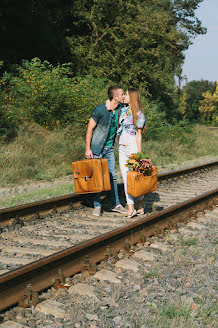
<point>150,203</point>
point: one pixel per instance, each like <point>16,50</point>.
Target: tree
<point>215,95</point>
<point>193,95</point>
<point>133,42</point>
<point>207,106</point>
<point>130,42</point>
<point>216,92</point>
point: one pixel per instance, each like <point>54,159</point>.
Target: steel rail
<point>40,274</point>
<point>176,173</point>
<point>44,206</point>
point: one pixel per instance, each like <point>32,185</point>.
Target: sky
<point>201,59</point>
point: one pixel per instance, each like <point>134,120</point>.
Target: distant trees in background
<point>199,101</point>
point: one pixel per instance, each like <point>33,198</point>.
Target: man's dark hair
<point>112,90</point>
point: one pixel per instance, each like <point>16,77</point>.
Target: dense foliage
<point>38,92</point>
<point>192,95</point>
<point>135,42</point>
<point>50,96</point>
<point>81,47</point>
<point>138,42</point>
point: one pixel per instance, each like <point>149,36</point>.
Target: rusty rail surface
<point>44,206</point>
<point>41,274</point>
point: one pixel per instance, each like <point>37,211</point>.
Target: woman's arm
<point>139,140</point>
<point>123,115</point>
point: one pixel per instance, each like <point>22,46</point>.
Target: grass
<point>171,311</point>
<point>170,314</point>
<point>189,241</point>
<point>40,154</point>
<point>163,315</point>
<point>151,274</point>
<point>35,195</point>
<point>201,142</point>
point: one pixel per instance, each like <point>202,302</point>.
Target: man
<point>100,137</point>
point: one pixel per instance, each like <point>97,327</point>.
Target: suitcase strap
<point>102,174</point>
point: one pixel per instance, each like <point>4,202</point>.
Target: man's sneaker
<point>97,211</point>
<point>119,208</point>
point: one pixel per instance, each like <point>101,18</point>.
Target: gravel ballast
<point>167,282</point>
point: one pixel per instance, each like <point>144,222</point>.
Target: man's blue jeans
<point>109,154</point>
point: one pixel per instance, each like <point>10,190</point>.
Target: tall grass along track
<point>26,241</point>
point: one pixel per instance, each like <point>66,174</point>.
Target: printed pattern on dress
<point>126,123</point>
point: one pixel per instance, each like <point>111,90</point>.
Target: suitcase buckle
<point>86,178</point>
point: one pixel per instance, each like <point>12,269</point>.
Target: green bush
<point>38,92</point>
<point>8,125</point>
<point>215,119</point>
<point>50,96</point>
<point>158,128</point>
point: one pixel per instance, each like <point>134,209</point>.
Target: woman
<point>132,126</point>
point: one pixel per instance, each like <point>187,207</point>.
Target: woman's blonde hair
<point>135,105</point>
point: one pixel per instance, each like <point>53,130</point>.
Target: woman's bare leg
<point>141,206</point>
<point>130,209</point>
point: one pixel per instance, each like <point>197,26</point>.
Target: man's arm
<point>90,128</point>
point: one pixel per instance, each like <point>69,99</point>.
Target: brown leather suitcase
<point>139,184</point>
<point>91,175</point>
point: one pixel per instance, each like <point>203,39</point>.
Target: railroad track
<point>34,250</point>
<point>66,202</point>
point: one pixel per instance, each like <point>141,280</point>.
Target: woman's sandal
<point>134,213</point>
<point>140,212</point>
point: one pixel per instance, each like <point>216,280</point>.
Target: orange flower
<point>132,161</point>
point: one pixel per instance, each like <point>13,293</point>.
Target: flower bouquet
<point>138,163</point>
<point>142,175</point>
